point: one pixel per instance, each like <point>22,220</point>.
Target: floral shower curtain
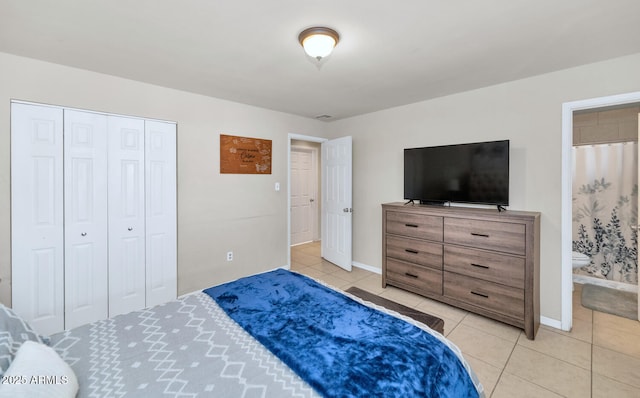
<point>605,209</point>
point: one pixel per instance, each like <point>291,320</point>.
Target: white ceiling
<point>391,52</point>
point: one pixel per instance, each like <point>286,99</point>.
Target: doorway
<point>305,189</point>
<point>335,209</point>
<point>568,111</point>
<point>296,140</point>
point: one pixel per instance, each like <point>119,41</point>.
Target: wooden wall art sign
<point>243,155</point>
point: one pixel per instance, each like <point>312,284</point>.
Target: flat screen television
<point>464,173</point>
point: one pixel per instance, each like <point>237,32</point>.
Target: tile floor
<point>600,357</point>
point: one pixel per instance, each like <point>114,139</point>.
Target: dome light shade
<point>318,42</point>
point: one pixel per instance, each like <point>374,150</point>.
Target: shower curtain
<point>605,209</point>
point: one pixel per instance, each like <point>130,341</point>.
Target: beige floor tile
<point>487,374</point>
<point>490,326</point>
<point>617,366</point>
<point>312,272</point>
<point>441,310</point>
<point>402,296</point>
<point>325,266</point>
<point>581,330</point>
<point>561,347</point>
<point>355,275</point>
<point>372,283</point>
<point>616,340</point>
<point>550,373</point>
<point>304,259</point>
<point>449,324</point>
<point>491,349</point>
<point>604,387</point>
<point>335,282</point>
<point>510,386</point>
<point>583,313</point>
<point>313,249</point>
<point>616,322</point>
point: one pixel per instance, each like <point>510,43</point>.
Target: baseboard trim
<point>366,267</point>
<point>554,323</point>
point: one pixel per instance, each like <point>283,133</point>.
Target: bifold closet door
<point>37,216</point>
<point>126,213</point>
<point>85,225</point>
<point>161,240</point>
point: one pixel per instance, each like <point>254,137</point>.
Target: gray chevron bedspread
<point>185,348</point>
<point>188,347</point>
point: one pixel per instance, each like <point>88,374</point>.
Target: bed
<point>275,334</point>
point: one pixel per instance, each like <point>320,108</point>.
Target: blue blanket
<point>339,346</point>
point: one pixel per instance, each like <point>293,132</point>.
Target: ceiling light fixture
<point>318,42</point>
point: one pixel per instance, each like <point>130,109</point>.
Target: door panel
<point>161,216</point>
<point>37,238</point>
<point>337,201</point>
<point>126,212</point>
<point>85,186</point>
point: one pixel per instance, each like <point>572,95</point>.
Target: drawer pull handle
<point>481,235</point>
<point>411,225</point>
<point>411,251</point>
<point>480,266</point>
<point>411,275</point>
<point>480,294</point>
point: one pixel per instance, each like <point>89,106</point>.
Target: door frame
<point>566,203</point>
<point>292,137</point>
<point>315,222</point>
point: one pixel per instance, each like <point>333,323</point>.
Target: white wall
<point>528,112</point>
<point>216,213</point>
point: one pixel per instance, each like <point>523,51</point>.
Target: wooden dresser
<point>481,260</point>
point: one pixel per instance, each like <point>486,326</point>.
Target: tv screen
<point>465,173</point>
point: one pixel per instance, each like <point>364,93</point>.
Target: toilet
<point>579,260</point>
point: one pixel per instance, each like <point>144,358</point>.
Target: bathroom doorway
<point>570,111</point>
<point>605,196</point>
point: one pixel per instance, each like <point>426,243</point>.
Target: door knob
<point>130,229</point>
<point>84,234</point>
<point>312,200</point>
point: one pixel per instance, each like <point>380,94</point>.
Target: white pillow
<point>38,371</point>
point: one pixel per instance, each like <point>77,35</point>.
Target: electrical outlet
<point>229,256</point>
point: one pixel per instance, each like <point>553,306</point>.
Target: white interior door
<point>37,234</point>
<point>303,197</point>
<point>638,208</point>
<point>337,209</point>
<point>126,215</point>
<point>160,193</point>
<point>85,225</point>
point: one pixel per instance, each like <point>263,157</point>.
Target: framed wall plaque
<point>244,155</point>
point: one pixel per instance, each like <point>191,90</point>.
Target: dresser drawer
<point>414,225</point>
<point>427,280</point>
<point>491,235</point>
<point>415,251</point>
<point>491,266</point>
<point>502,299</point>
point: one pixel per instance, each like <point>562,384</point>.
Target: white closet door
<point>85,202</point>
<point>37,262</point>
<point>160,180</point>
<point>126,215</point>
